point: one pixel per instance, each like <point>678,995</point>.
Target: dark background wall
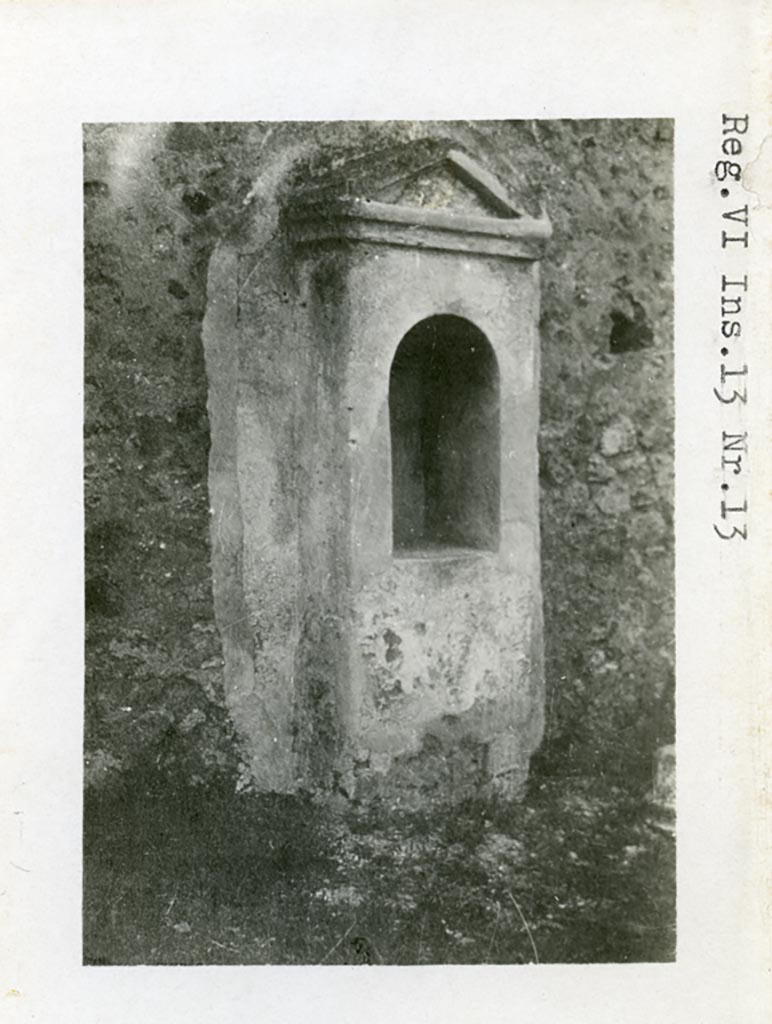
<point>157,199</point>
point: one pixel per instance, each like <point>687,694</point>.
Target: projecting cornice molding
<point>447,203</point>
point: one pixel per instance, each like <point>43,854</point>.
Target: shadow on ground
<point>578,873</point>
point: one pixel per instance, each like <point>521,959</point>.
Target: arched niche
<point>445,439</point>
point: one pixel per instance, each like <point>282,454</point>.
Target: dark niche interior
<point>445,439</point>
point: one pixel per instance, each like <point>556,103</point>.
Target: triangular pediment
<point>419,175</point>
<point>426,195</point>
<point>442,187</point>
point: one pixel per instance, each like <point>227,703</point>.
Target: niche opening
<point>445,438</point>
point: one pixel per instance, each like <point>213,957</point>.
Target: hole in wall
<point>630,333</point>
<point>96,188</point>
<point>179,291</point>
<point>197,202</point>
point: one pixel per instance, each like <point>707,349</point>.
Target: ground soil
<point>580,872</point>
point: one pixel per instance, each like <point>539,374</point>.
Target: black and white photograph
<point>379,543</point>
<point>386,512</point>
